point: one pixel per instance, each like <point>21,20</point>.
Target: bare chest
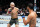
<point>14,11</point>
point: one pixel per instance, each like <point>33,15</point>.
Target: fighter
<point>14,15</point>
<point>31,19</point>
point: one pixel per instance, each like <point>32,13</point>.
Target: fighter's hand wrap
<point>23,16</point>
<point>9,10</point>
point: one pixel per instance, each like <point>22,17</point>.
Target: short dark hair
<point>30,5</point>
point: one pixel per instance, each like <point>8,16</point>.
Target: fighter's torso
<point>14,13</point>
<point>33,21</point>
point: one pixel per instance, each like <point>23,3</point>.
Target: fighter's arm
<point>17,9</point>
<point>8,11</point>
<point>28,20</point>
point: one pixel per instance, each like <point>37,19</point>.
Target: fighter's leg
<point>16,23</point>
<point>10,23</point>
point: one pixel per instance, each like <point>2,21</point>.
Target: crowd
<point>20,12</point>
<point>21,4</point>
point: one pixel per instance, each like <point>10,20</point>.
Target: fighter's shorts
<point>14,21</point>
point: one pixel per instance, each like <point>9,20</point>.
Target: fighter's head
<point>30,6</point>
<point>12,5</point>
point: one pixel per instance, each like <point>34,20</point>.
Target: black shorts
<point>14,21</point>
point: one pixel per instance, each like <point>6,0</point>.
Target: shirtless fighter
<point>14,15</point>
<point>31,20</point>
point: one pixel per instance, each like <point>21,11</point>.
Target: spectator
<point>25,12</point>
<point>0,11</point>
<point>35,7</point>
<point>21,13</point>
<point>5,11</point>
<point>18,12</point>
